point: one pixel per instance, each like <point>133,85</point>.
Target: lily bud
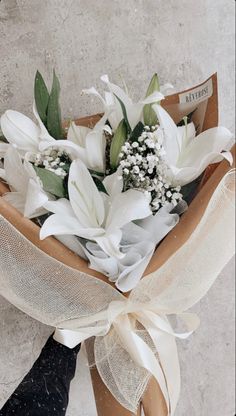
<point>117,143</point>
<point>149,115</point>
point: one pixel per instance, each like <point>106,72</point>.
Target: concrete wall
<point>184,41</point>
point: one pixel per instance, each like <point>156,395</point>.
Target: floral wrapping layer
<point>113,192</point>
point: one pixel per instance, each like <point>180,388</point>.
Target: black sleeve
<point>45,389</point>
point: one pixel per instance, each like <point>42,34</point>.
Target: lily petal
<point>85,199</point>
<point>116,90</point>
<point>185,175</point>
<point>186,134</point>
<point>73,244</point>
<point>16,176</point>
<point>44,135</point>
<point>167,89</point>
<point>171,134</point>
<point>95,146</point>
<point>114,183</point>
<point>77,134</point>
<point>110,243</point>
<point>154,97</point>
<point>35,199</point>
<point>93,91</point>
<point>19,130</point>
<point>126,207</point>
<point>61,207</point>
<point>211,141</point>
<point>71,148</point>
<point>16,199</point>
<point>64,225</point>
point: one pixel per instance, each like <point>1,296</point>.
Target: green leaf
<point>95,173</point>
<point>52,183</point>
<point>118,140</point>
<point>124,113</point>
<point>54,113</point>
<point>149,115</point>
<point>99,185</point>
<point>41,96</point>
<point>137,131</point>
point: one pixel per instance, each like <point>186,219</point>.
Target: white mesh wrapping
<point>60,296</point>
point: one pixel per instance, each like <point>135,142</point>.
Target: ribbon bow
<point>123,316</point>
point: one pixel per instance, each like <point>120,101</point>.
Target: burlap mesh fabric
<point>60,296</point>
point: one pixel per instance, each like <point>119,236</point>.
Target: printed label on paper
<point>198,94</point>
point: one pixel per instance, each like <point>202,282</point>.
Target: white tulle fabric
<point>134,338</point>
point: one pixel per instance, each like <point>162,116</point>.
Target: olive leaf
<point>124,113</point>
<point>41,96</point>
<point>99,185</point>
<point>137,131</point>
<point>118,140</point>
<point>149,115</point>
<point>95,173</point>
<point>52,183</point>
<point>54,125</point>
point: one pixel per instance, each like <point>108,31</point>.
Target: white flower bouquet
<point>110,191</point>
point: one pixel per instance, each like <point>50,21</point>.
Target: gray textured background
<point>184,41</point>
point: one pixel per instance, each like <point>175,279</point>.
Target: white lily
<point>30,138</point>
<point>188,156</point>
<point>21,132</point>
<point>138,244</point>
<point>85,144</point>
<point>26,193</point>
<point>112,105</point>
<point>92,215</point>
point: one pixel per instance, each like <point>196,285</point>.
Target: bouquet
<point>111,191</point>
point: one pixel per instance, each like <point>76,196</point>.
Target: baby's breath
<point>54,160</point>
<point>143,167</point>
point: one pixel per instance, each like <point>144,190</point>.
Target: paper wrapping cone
<point>207,112</point>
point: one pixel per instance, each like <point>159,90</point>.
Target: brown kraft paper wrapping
<point>203,99</point>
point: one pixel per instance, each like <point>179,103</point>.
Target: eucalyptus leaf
<point>124,113</point>
<point>149,115</point>
<point>52,183</point>
<point>41,96</point>
<point>99,185</point>
<point>54,113</point>
<point>118,140</point>
<point>137,131</point>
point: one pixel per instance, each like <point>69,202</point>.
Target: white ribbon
<point>122,317</point>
